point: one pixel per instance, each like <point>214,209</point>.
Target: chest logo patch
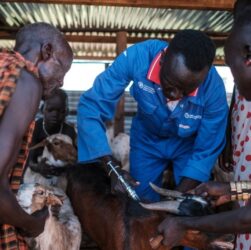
<point>146,88</point>
<point>191,116</point>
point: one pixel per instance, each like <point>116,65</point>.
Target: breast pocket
<point>145,97</point>
<point>189,124</point>
<point>146,108</point>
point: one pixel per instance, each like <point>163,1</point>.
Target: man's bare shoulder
<point>27,96</point>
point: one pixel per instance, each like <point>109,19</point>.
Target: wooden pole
<point>121,44</point>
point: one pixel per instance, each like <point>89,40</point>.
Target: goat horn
<point>222,245</point>
<point>38,145</point>
<point>166,192</point>
<point>168,206</point>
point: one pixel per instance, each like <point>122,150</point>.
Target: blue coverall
<point>191,136</point>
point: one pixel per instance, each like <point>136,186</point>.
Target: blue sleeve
<point>98,104</point>
<point>210,138</point>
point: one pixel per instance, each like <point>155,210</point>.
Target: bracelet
<point>240,190</point>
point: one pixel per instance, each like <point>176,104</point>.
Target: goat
<point>178,203</point>
<point>58,153</point>
<point>120,146</point>
<point>61,233</point>
<point>114,221</point>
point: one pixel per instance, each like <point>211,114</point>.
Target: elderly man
<point>36,67</point>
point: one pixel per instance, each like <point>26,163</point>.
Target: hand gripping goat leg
<point>131,192</point>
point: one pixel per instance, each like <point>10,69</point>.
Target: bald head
<point>46,47</point>
<point>39,33</point>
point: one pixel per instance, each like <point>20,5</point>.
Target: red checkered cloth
<point>11,64</point>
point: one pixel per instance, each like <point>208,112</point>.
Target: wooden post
<point>121,41</point>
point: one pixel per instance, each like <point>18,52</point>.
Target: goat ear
<point>38,145</point>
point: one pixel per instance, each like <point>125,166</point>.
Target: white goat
<point>58,152</point>
<point>120,146</point>
<point>61,233</point>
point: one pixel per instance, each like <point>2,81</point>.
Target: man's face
<point>53,70</point>
<point>237,54</point>
<point>179,81</point>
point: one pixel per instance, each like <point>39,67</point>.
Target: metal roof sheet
<point>105,21</point>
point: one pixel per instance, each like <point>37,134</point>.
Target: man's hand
<point>116,185</point>
<point>172,231</point>
<point>37,228</point>
<point>47,170</point>
<point>217,192</point>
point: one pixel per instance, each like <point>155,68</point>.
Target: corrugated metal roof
<point>142,23</point>
<point>109,17</point>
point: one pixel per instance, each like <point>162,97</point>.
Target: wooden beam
<point>219,41</point>
<point>218,38</point>
<point>173,4</point>
<point>6,35</point>
<point>119,119</point>
<point>114,30</point>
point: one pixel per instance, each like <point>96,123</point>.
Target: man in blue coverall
<point>181,117</point>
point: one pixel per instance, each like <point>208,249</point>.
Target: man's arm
<point>174,228</point>
<point>35,153</point>
<point>13,125</point>
<point>236,221</point>
<point>98,105</point>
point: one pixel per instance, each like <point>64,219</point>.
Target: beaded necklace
<point>46,132</point>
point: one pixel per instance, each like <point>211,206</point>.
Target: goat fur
<point>114,221</point>
<point>62,233</point>
<point>57,154</point>
<point>120,146</point>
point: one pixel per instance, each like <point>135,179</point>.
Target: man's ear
<point>46,51</point>
<point>247,54</point>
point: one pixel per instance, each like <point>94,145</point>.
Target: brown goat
<point>116,222</point>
